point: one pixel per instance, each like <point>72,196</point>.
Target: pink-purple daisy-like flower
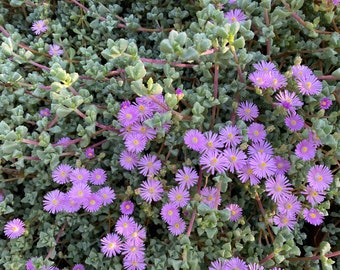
<point>195,140</point>
<point>276,80</point>
<point>45,112</point>
<point>209,196</point>
<point>236,159</point>
<point>219,264</point>
<point>80,192</point>
<point>39,27</point>
<point>134,263</point>
<point>128,160</point>
<point>283,220</point>
<point>148,132</point>
<point>313,196</point>
<point>325,103</point>
<point>64,142</point>
<point>89,152</point>
<point>235,212</point>
<point>169,213</point>
<point>260,79</point>
<point>145,110</point>
<point>282,165</point>
<point>246,173</point>
<point>128,116</point>
<point>53,201</point>
<point>300,71</point>
<point>71,205</point>
<point>289,205</point>
<point>97,176</point>
<point>213,162</point>
<point>186,177</point>
<point>305,150</point>
<point>309,85</point>
<point>213,141</point>
<point>107,194</point>
<point>127,207</point>
<point>278,187</point>
<point>177,227</point>
<point>151,190</point>
<point>230,135</point>
<point>61,174</point>
<point>294,122</point>
<point>111,245</point>
<point>179,196</point>
<point>247,111</point>
<point>262,147</point>
<point>320,177</point>
<point>313,216</point>
<point>288,100</point>
<point>149,165</point>
<point>55,50</point>
<point>92,203</point>
<point>78,266</point>
<point>264,66</point>
<point>14,228</point>
<point>236,264</point>
<point>133,251</point>
<point>80,175</point>
<point>262,165</point>
<point>235,15</point>
<point>137,235</point>
<point>135,142</point>
<point>125,225</point>
<point>255,266</point>
<point>256,132</point>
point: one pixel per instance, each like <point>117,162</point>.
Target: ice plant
<point>235,212</point>
<point>278,187</point>
<point>45,112</point>
<point>247,111</point>
<point>319,177</point>
<point>149,165</point>
<point>235,15</point>
<point>195,140</point>
<point>230,135</point>
<point>151,190</point>
<point>186,177</point>
<point>55,50</point>
<point>97,176</point>
<point>89,152</point>
<point>313,216</point>
<point>305,150</point>
<point>111,245</point>
<point>325,103</point>
<point>39,27</point>
<point>54,201</point>
<point>127,207</point>
<point>14,228</point>
<point>177,226</point>
<point>61,174</point>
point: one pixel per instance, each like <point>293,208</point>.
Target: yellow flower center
<point>92,202</point>
<point>194,140</point>
<point>135,142</point>
<point>304,149</point>
<point>55,202</point>
<point>179,197</point>
<point>312,215</point>
<point>128,116</point>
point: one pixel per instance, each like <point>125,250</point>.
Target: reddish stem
<point>213,113</point>
<point>28,141</point>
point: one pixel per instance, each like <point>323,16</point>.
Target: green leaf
<point>336,73</point>
<point>136,72</point>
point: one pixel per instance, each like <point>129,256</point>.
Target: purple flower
<point>276,80</point>
<point>125,225</point>
<point>213,142</point>
<point>80,192</point>
<point>128,160</point>
<point>288,100</point>
<point>55,50</point>
<point>97,176</point>
<point>80,175</point>
<point>300,71</point>
<point>148,132</point>
<point>125,104</point>
<point>149,165</point>
<point>313,216</point>
<point>235,15</point>
<point>282,165</point>
<point>309,85</point>
<point>151,190</point>
<point>144,108</point>
<point>336,2</point>
<point>230,136</point>
<point>133,251</point>
<point>169,212</point>
<point>264,66</point>
<point>313,196</point>
<point>107,194</point>
<point>179,196</point>
<point>305,150</point>
<point>92,203</point>
<point>89,152</point>
<point>134,263</point>
<point>186,177</point>
<point>278,187</point>
<point>128,116</point>
<point>177,227</point>
<point>260,79</point>
<point>214,162</point>
<point>78,266</point>
<point>262,165</point>
<point>255,266</point>
<point>289,205</point>
<point>195,140</point>
<point>294,122</point>
<point>209,196</point>
<point>111,245</point>
<point>179,94</point>
<point>236,263</point>
<point>135,142</point>
<point>61,174</point>
<point>14,228</point>
<point>235,212</point>
<point>236,159</point>
<point>219,264</point>
<point>127,207</point>
<point>256,132</point>
<point>262,147</point>
<point>283,220</point>
<point>325,103</point>
<point>53,201</point>
<point>246,173</point>
<point>39,27</point>
<point>247,111</point>
<point>320,177</point>
<point>45,112</point>
<point>65,141</point>
<point>71,205</point>
<point>137,235</point>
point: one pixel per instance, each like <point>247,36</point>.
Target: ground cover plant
<point>169,134</point>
